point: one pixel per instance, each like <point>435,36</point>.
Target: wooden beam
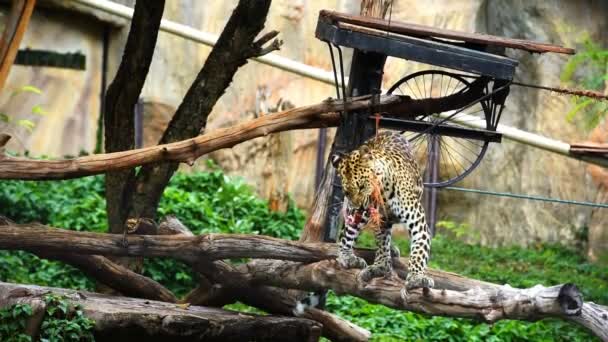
<point>422,31</point>
<point>16,24</point>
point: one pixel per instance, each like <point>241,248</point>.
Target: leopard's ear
<point>364,152</point>
<point>336,158</point>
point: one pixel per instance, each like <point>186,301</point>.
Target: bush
<point>206,202</point>
<point>212,202</point>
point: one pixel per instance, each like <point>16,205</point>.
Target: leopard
<point>386,160</point>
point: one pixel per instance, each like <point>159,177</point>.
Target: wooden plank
<point>423,31</point>
<point>420,50</point>
<point>21,11</point>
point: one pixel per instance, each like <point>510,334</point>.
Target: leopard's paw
<point>417,280</point>
<point>350,260</point>
<point>414,281</point>
<point>373,271</point>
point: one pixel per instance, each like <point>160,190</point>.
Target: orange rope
<point>377,116</point>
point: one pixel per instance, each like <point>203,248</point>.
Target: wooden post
<point>16,24</point>
<point>354,129</point>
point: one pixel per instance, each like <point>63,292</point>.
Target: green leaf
<point>572,113</point>
<point>5,118</point>
<point>29,89</point>
<point>37,109</point>
<point>27,124</point>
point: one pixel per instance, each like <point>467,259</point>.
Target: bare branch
<point>259,49</point>
<point>319,115</point>
<point>337,329</point>
<point>189,249</point>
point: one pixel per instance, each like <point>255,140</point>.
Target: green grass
<point>211,202</point>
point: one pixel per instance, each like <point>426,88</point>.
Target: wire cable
<point>528,197</point>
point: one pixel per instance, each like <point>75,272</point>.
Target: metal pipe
<point>524,137</point>
<point>209,39</point>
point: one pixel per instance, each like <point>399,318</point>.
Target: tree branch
<point>121,97</point>
<point>182,151</point>
<point>188,249</point>
<point>111,274</point>
<point>323,114</point>
<point>121,318</point>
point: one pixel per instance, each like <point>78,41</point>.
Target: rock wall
<point>507,167</point>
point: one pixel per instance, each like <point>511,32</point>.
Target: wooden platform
<point>437,53</point>
<point>427,32</point>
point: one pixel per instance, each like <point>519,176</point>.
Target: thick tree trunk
<point>128,319</point>
<point>234,47</point>
<point>121,97</point>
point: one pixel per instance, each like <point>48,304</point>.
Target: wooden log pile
<point>310,266</point>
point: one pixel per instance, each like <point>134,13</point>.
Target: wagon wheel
<point>457,157</point>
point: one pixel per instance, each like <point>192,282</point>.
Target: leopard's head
<point>355,171</point>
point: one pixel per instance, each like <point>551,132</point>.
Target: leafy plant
<point>26,124</point>
<point>62,321</point>
<point>13,320</point>
<point>589,69</point>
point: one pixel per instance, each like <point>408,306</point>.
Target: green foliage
<point>62,321</point>
<point>589,69</point>
<point>12,323</point>
<point>7,121</point>
<point>212,202</point>
<point>206,202</point>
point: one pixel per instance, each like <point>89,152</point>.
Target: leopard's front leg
<point>354,221</point>
<point>382,266</point>
<point>420,249</point>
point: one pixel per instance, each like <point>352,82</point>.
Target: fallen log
<point>123,318</point>
<point>488,303</point>
<point>273,300</point>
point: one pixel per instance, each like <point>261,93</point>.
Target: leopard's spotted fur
<point>386,159</point>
